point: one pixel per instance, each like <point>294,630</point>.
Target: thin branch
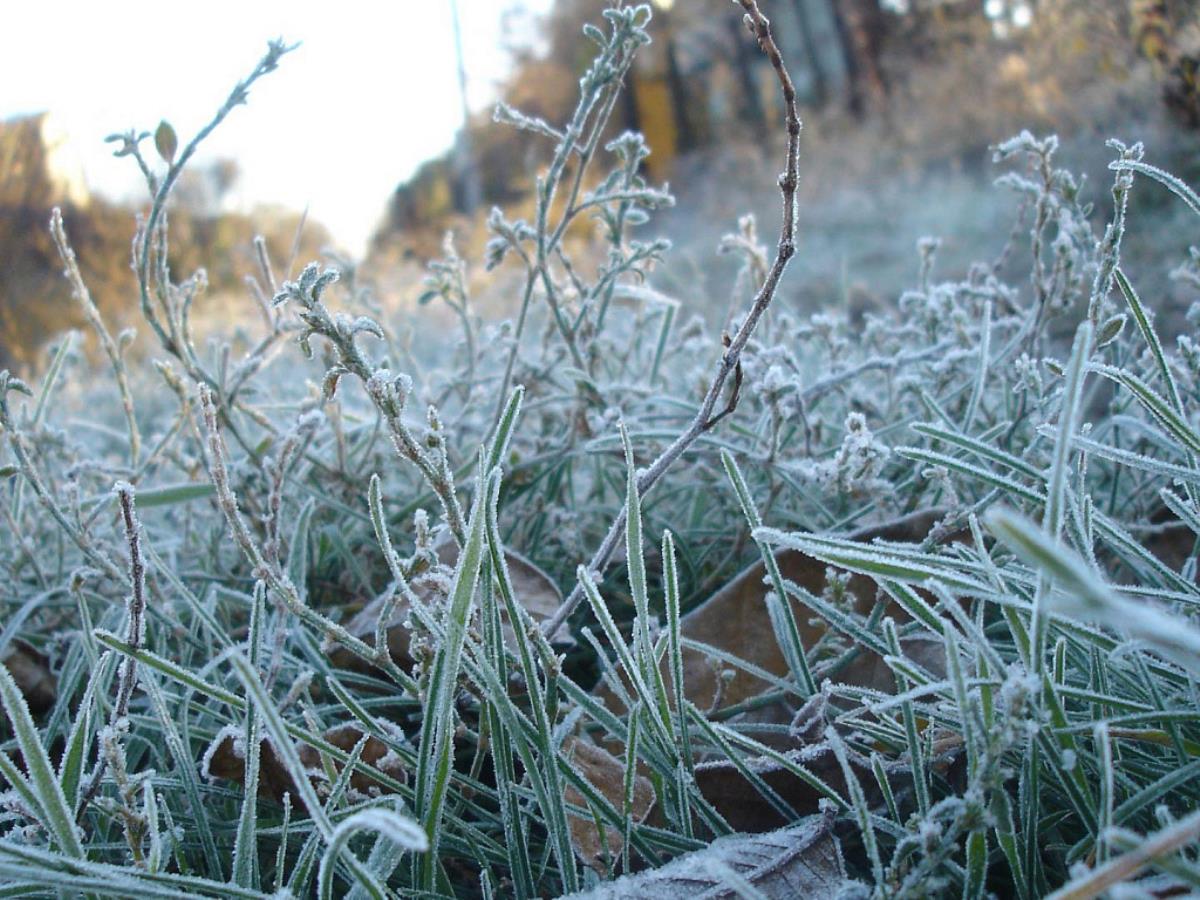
<point>111,348</point>
<point>271,573</point>
<point>135,632</point>
<point>144,253</point>
<point>595,93</point>
<point>730,361</point>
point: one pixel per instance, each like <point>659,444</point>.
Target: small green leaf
<point>175,493</point>
<point>504,428</point>
<point>165,141</point>
<point>1110,330</point>
<point>74,757</point>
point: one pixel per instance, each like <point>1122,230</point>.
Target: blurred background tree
<point>945,77</point>
<point>35,300</point>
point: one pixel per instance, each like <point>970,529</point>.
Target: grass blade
<point>42,779</point>
<point>399,829</point>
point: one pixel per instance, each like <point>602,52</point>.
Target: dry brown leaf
<point>30,669</point>
<point>745,809</point>
<point>375,753</point>
<point>226,761</point>
<point>735,621</point>
<point>532,588</point>
<point>868,670</point>
<point>740,802</point>
<point>606,773</point>
<point>720,781</point>
<point>803,860</point>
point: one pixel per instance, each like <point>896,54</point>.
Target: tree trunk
<point>812,55</point>
<point>743,63</point>
<point>859,33</point>
<point>679,98</point>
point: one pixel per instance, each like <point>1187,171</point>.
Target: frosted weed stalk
<point>1001,699</point>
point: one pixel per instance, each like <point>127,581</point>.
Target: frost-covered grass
<point>1003,699</point>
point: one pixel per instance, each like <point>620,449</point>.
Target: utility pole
<point>468,172</point>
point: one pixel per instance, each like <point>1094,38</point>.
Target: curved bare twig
<point>730,362</point>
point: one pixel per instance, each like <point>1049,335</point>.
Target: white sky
<point>371,92</point>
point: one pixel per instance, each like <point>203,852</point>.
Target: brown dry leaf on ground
<point>741,601</point>
<point>746,809</point>
<point>606,774</point>
<point>802,860</point>
<point>735,621</point>
<point>532,587</point>
<point>375,753</point>
<point>30,669</point>
<point>227,760</point>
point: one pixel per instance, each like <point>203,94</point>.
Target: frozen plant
<point>362,624</point>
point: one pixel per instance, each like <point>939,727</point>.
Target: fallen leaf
<point>227,760</point>
<point>802,860</point>
<point>532,588</point>
<point>868,670</point>
<point>30,669</point>
<point>735,621</point>
<point>741,803</point>
<point>375,753</point>
<point>606,773</point>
